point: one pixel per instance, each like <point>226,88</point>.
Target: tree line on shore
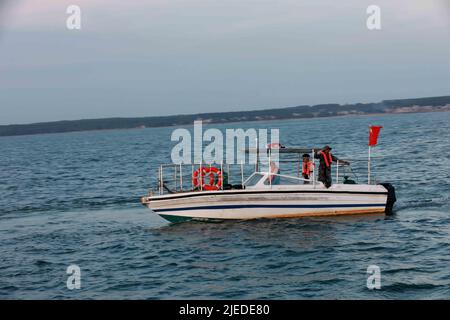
<point>304,111</point>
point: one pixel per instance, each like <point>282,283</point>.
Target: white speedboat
<point>261,195</point>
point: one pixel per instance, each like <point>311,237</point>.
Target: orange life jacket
<point>327,158</point>
<point>307,167</point>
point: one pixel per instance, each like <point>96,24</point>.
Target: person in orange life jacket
<point>326,160</point>
<point>307,167</point>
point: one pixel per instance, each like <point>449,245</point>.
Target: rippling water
<point>74,199</point>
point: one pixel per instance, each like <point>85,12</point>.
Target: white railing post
<point>337,171</point>
<point>221,173</point>
<point>192,176</point>
<point>242,173</point>
<point>181,177</point>
<point>210,165</point>
<point>257,155</point>
<point>161,182</point>
<point>175,176</point>
<point>201,176</point>
<point>270,173</point>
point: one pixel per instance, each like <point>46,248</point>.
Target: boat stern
<point>391,197</point>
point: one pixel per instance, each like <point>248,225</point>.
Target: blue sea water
<point>73,198</point>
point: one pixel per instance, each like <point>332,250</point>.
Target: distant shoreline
<point>386,107</point>
<point>231,122</point>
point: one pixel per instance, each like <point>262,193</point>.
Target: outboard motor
<point>391,197</point>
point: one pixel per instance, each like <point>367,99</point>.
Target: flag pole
<point>368,159</point>
<point>373,136</point>
<point>368,166</point>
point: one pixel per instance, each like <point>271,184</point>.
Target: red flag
<point>373,135</point>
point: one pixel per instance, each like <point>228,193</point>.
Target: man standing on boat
<point>326,160</point>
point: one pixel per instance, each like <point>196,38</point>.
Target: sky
<point>162,57</point>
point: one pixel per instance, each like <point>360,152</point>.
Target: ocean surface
<point>74,198</point>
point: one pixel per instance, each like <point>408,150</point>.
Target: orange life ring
<point>198,178</point>
<point>213,172</point>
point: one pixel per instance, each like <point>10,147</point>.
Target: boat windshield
<point>284,180</point>
<point>253,179</point>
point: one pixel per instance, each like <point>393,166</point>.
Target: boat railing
<point>175,178</point>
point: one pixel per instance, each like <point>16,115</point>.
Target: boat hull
<point>257,204</point>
